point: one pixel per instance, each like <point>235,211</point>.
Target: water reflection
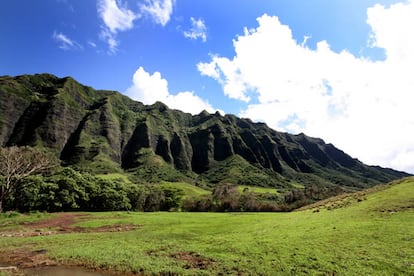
<point>60,271</point>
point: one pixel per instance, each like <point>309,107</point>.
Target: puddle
<point>60,271</point>
<point>50,271</point>
<point>6,267</point>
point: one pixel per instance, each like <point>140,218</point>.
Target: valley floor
<point>368,235</point>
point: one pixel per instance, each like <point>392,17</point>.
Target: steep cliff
<point>105,131</point>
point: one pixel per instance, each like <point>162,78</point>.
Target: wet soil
<point>25,261</point>
<point>63,224</point>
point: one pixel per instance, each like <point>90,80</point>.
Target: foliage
<point>67,190</point>
<point>17,163</point>
<point>228,198</point>
<point>173,197</point>
<point>153,169</point>
<point>70,190</point>
<point>237,170</point>
<point>297,198</point>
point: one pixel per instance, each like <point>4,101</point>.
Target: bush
<point>199,204</point>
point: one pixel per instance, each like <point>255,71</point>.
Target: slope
<point>104,132</point>
<point>374,236</point>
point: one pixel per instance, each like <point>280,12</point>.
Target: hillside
<point>103,131</point>
<point>372,236</point>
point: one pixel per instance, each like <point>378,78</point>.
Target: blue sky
<point>332,69</point>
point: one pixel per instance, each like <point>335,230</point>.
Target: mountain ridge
<point>106,131</point>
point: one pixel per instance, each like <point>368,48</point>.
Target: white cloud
<point>65,43</point>
<point>159,10</point>
<point>198,30</point>
<point>92,44</point>
<point>116,17</point>
<point>110,39</point>
<point>149,88</point>
<point>226,72</point>
<point>391,30</point>
<point>362,106</point>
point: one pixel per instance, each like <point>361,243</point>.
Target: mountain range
<point>103,131</point>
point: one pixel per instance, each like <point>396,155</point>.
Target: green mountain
<point>103,131</point>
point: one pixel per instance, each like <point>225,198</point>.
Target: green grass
<point>189,189</point>
<point>374,236</point>
<point>115,176</point>
<point>13,220</point>
<point>297,185</point>
<point>258,190</point>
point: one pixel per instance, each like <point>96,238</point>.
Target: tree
<point>173,198</point>
<point>16,163</point>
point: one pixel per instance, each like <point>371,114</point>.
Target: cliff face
<point>86,126</point>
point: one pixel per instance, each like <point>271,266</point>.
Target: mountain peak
<point>104,131</point>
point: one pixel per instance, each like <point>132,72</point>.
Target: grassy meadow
<point>258,190</point>
<point>372,234</point>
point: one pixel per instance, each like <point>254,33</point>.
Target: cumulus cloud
<point>198,30</point>
<point>65,43</point>
<point>116,17</point>
<point>159,10</point>
<point>362,106</point>
<point>149,88</point>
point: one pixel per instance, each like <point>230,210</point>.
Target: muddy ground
<point>16,261</point>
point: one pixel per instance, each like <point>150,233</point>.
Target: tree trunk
<point>3,196</point>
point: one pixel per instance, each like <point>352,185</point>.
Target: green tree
<point>27,194</point>
<point>111,196</point>
<point>173,198</point>
<point>71,189</point>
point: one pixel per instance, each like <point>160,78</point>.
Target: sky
<point>339,70</point>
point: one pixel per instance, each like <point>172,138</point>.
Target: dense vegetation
<point>31,180</point>
<point>68,190</point>
<point>369,233</point>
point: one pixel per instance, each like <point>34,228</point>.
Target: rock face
<point>86,126</point>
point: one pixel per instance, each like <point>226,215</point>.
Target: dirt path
<point>62,223</point>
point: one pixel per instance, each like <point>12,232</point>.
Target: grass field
<point>115,176</point>
<point>258,190</point>
<point>189,189</point>
<point>373,235</point>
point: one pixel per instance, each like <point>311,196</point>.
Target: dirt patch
<point>60,221</point>
<point>63,224</point>
<point>24,258</point>
<point>26,262</point>
<point>193,260</point>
